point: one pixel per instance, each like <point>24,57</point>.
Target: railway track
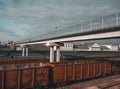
<point>108,82</point>
<point>110,85</point>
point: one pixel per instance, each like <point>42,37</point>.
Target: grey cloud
<point>40,16</point>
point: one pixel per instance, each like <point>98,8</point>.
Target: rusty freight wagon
<point>26,78</point>
<point>49,75</point>
<point>73,71</point>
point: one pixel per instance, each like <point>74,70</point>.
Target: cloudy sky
<point>20,19</point>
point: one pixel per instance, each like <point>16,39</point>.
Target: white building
<point>112,47</point>
<point>67,47</point>
<point>81,47</point>
<point>104,48</point>
<point>94,47</point>
<point>18,48</point>
<point>87,47</point>
<point>91,47</point>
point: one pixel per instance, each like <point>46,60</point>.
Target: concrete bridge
<point>102,28</point>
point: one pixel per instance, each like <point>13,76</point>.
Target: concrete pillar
<point>58,54</point>
<point>23,51</point>
<point>26,51</point>
<point>51,54</point>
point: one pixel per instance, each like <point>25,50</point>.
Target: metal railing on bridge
<point>99,23</point>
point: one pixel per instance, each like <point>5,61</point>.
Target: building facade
<point>112,47</point>
<point>67,47</point>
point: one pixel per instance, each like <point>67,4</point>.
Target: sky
<point>21,19</point>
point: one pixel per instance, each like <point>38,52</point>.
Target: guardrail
<point>99,23</point>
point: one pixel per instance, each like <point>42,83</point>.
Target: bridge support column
<point>57,54</point>
<point>26,51</point>
<point>23,51</point>
<point>51,54</point>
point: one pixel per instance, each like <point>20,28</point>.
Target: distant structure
<point>96,47</point>
<point>67,47</point>
<point>1,45</point>
<point>87,47</point>
<point>10,44</point>
<point>18,48</point>
<point>112,47</point>
<point>104,48</point>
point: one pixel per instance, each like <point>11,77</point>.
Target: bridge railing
<point>100,23</point>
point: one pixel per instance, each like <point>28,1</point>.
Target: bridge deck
<point>97,31</point>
